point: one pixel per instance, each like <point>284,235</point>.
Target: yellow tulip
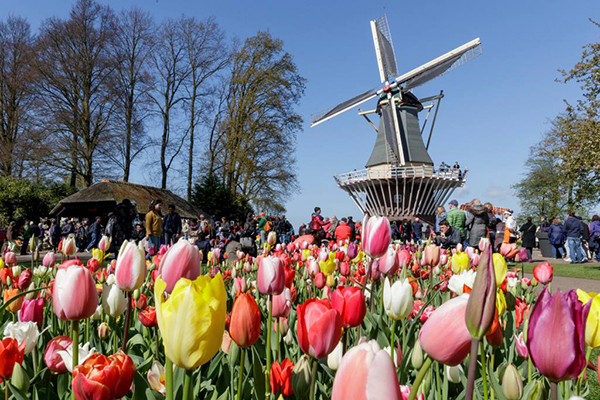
<point>500,302</point>
<point>592,326</point>
<point>500,268</point>
<point>1,263</point>
<point>460,262</point>
<point>359,257</point>
<point>192,319</point>
<point>327,267</point>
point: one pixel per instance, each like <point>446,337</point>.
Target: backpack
<point>268,226</point>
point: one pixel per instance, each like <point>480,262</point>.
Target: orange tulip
<point>11,353</point>
<point>103,378</point>
<point>15,305</point>
<point>244,326</point>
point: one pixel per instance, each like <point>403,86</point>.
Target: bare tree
<point>207,54</point>
<point>131,51</point>
<point>171,72</point>
<point>75,67</point>
<point>16,80</point>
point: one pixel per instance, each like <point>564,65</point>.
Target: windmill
<point>399,179</point>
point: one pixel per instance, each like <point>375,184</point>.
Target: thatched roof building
<point>101,198</point>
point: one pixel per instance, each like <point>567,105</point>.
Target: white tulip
<point>16,270</point>
<point>288,338</point>
<point>454,373</point>
<point>387,350</point>
<point>397,299</point>
<point>459,281</point>
<point>114,302</point>
<point>23,331</point>
<point>84,353</point>
<point>335,357</point>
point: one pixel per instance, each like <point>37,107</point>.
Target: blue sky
<point>496,106</point>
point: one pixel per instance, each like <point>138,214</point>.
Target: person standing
<point>574,231</point>
<point>594,242</point>
<point>95,233</point>
<point>26,237</point>
<point>352,226</point>
<point>406,231</point>
<point>510,228</point>
<point>316,224</point>
<point>457,218</point>
<point>477,222</point>
<point>154,225</point>
<point>440,215</point>
<point>528,236</point>
<point>172,226</point>
<point>492,222</point>
<point>342,232</point>
<point>544,224</point>
<point>556,235</point>
<point>417,228</point>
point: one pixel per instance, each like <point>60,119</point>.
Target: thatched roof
<point>105,195</point>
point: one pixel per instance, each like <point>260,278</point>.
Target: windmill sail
<point>440,65</point>
<point>316,119</point>
<point>384,48</point>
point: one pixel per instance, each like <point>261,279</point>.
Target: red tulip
<point>376,236</point>
<point>521,311</point>
<point>244,326</point>
<point>556,335</point>
<point>74,296</point>
<point>6,273</point>
<point>543,273</point>
<point>182,260</point>
<point>281,377</point>
<point>366,372</point>
<point>103,378</point>
<point>148,317</point>
<point>496,334</point>
<point>271,275</point>
<point>141,303</point>
<point>93,265</point>
<point>319,327</point>
<point>11,353</point>
<point>32,310</point>
<point>24,279</point>
<point>444,336</point>
<point>52,359</point>
<point>320,280</point>
<point>350,304</point>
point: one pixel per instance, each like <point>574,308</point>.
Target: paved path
<point>562,283</point>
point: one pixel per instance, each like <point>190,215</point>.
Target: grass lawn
<point>582,271</point>
<point>592,377</point>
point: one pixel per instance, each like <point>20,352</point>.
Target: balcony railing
<point>400,172</point>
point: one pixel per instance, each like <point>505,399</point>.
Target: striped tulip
<point>388,263</point>
<point>431,255</point>
<point>130,271</point>
<point>49,260</point>
<point>376,236</point>
<point>74,296</point>
<point>104,243</point>
<point>69,247</point>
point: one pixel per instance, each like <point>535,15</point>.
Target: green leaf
<point>17,393</point>
<point>259,375</point>
<point>498,391</point>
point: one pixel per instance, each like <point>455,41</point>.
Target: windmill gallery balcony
<point>401,191</point>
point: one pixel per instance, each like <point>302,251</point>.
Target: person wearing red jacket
<point>316,224</point>
<point>343,231</point>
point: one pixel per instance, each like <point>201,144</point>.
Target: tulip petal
<point>382,382</point>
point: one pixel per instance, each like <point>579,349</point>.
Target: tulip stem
<point>126,327</point>
<point>472,369</point>
<point>553,391</point>
<point>484,370</point>
<point>187,384</point>
<point>422,372</point>
<point>313,379</point>
<point>278,340</point>
<point>241,374</point>
<point>529,369</point>
<point>580,379</point>
<point>269,329</point>
<point>75,347</point>
<point>169,378</point>
<point>392,340</point>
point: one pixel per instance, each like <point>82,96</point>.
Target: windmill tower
<point>399,179</point>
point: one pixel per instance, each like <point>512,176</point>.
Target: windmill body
<point>399,180</point>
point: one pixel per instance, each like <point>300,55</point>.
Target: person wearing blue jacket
<point>573,232</point>
<point>556,236</point>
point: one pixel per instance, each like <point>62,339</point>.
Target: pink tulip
<point>74,296</point>
<point>388,263</point>
<point>320,280</point>
<point>24,279</point>
<point>556,335</point>
<point>405,391</point>
<point>366,372</point>
<point>69,247</point>
<point>444,336</point>
<point>282,304</point>
<point>344,268</point>
<point>32,311</point>
<point>52,359</point>
<point>431,255</point>
<point>290,247</point>
<point>375,274</point>
<point>104,243</point>
<point>319,327</point>
<point>10,258</point>
<point>130,271</point>
<point>376,236</point>
<point>313,267</point>
<point>509,250</point>
<point>182,260</point>
<point>271,276</point>
<point>521,346</point>
<point>49,259</point>
<point>543,273</point>
<point>522,255</point>
<point>239,285</point>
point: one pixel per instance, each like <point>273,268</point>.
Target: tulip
<point>244,326</point>
<point>52,359</point>
<point>388,263</point>
<point>375,236</point>
<point>114,302</point>
<point>543,273</point>
<point>457,283</point>
<point>397,299</point>
<point>102,377</point>
<point>32,310</point>
<point>74,296</point>
<point>83,353</point>
<point>509,250</point>
<point>352,250</point>
<point>103,330</point>
<point>327,267</point>
<point>131,267</point>
<point>500,268</point>
<point>460,262</point>
<point>181,260</point>
<point>156,377</point>
<point>482,301</point>
<point>592,325</point>
<point>512,383</point>
<point>11,353</point>
<point>522,255</point>
<point>192,319</point>
<point>555,335</point>
<point>350,304</point>
<point>69,247</point>
<point>93,265</point>
<point>444,336</point>
<point>281,377</point>
<point>335,357</point>
<point>404,258</point>
<point>521,346</point>
<point>20,378</point>
<point>10,258</point>
<point>366,372</point>
<point>301,377</point>
<point>271,276</point>
<point>455,373</point>
<point>15,305</point>
<point>282,303</point>
<point>104,243</point>
<point>319,327</point>
<point>272,238</point>
<point>49,259</point>
<point>148,317</point>
<point>26,333</point>
<point>431,255</point>
<point>416,357</point>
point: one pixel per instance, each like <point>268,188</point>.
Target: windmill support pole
<point>434,118</point>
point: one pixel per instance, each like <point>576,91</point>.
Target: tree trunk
<point>191,153</point>
<point>163,150</point>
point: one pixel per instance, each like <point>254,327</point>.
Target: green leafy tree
<point>213,197</point>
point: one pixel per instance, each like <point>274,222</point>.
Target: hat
<point>453,203</point>
<point>509,212</point>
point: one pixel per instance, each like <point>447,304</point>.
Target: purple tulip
<point>352,250</point>
<point>482,301</point>
<point>556,335</point>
